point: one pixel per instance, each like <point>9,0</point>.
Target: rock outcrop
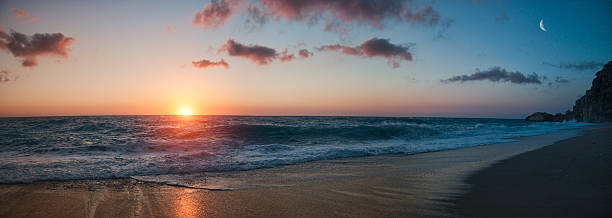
<point>546,117</point>
<point>594,107</point>
<point>539,117</point>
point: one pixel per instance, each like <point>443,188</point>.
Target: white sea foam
<point>151,147</point>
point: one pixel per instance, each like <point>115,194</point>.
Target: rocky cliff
<point>594,107</point>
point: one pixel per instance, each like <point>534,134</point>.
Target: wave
<point>60,148</point>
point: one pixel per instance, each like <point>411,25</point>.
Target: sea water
<point>100,147</point>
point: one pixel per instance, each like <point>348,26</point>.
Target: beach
<point>572,178</point>
<point>419,185</point>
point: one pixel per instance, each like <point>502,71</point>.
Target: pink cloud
<point>286,57</point>
<point>170,29</point>
<point>304,53</point>
<point>21,14</point>
<point>29,47</point>
<point>215,13</point>
<point>206,63</point>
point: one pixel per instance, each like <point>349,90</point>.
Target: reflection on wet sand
<point>185,204</point>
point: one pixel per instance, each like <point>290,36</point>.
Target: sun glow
<point>185,112</point>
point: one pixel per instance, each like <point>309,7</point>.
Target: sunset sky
<point>288,57</point>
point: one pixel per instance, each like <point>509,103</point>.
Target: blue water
<point>61,148</point>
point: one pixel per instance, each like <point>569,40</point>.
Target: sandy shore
<point>572,178</point>
<point>421,185</point>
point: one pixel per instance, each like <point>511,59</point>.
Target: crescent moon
<point>542,25</point>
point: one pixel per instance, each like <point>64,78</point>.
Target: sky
<point>311,57</point>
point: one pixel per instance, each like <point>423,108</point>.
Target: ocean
<point>102,147</point>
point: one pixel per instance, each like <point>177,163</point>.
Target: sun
<point>186,112</point>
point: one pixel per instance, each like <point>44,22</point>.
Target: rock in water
<point>539,117</point>
<point>596,105</point>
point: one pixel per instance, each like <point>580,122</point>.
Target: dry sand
<point>421,185</point>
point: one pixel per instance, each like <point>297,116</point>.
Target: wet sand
<point>572,178</point>
<point>421,185</point>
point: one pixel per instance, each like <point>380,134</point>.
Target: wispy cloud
<point>558,80</point>
<point>29,47</point>
<point>206,63</point>
<point>22,14</point>
<point>170,29</point>
<point>5,76</point>
<point>584,65</point>
<point>497,74</point>
<point>375,47</point>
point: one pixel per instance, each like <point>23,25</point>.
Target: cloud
<point>584,65</point>
<point>497,74</point>
<point>256,17</point>
<point>304,53</point>
<point>215,13</point>
<point>259,54</point>
<point>374,47</point>
<point>286,57</point>
<point>5,77</point>
<point>559,79</point>
<point>29,47</point>
<point>206,63</point>
<point>21,14</point>
<point>170,29</point>
<point>373,13</point>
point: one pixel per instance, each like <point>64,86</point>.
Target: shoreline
<point>423,184</point>
<point>570,178</point>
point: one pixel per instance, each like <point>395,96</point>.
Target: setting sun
<point>185,112</point>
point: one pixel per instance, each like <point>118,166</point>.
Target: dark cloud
<point>502,18</point>
<point>374,47</point>
<point>497,74</point>
<point>304,53</point>
<point>339,15</point>
<point>206,63</point>
<point>22,14</point>
<point>215,13</point>
<point>371,12</point>
<point>259,54</point>
<point>29,47</point>
<point>584,65</point>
